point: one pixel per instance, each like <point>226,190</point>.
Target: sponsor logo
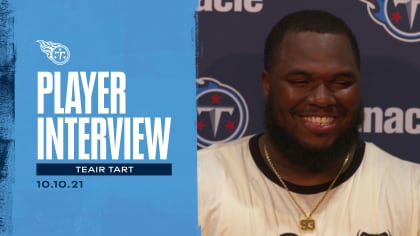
<point>392,120</point>
<point>397,17</point>
<point>222,113</point>
<point>58,53</point>
<point>251,6</point>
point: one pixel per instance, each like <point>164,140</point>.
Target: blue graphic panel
<point>105,133</point>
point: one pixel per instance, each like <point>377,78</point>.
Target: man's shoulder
<point>224,157</point>
<point>229,147</point>
<point>377,156</point>
<point>219,162</point>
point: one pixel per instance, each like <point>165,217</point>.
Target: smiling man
<point>309,173</point>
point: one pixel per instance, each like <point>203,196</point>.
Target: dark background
<point>230,48</point>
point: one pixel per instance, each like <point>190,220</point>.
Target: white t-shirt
<point>378,194</point>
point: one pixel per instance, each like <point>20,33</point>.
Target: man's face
<point>313,89</point>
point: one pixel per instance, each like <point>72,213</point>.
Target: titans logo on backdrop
<point>397,17</point>
<point>84,127</point>
<point>222,112</point>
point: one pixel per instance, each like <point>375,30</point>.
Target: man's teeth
<point>320,120</point>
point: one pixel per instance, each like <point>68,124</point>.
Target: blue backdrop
<point>230,47</point>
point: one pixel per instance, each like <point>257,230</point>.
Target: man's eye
<point>299,82</point>
<point>342,83</point>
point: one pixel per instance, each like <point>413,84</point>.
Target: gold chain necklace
<point>308,223</point>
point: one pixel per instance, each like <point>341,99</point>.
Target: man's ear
<point>265,77</point>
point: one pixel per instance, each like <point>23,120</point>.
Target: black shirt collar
<point>261,164</point>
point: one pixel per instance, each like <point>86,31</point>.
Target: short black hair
<point>303,21</point>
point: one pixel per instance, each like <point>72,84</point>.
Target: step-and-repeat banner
<point>230,43</point>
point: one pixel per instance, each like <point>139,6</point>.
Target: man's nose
<point>322,96</point>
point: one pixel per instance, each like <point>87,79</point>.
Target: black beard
<point>310,159</point>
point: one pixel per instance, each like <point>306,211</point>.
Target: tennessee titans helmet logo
<point>397,17</point>
<point>222,113</point>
